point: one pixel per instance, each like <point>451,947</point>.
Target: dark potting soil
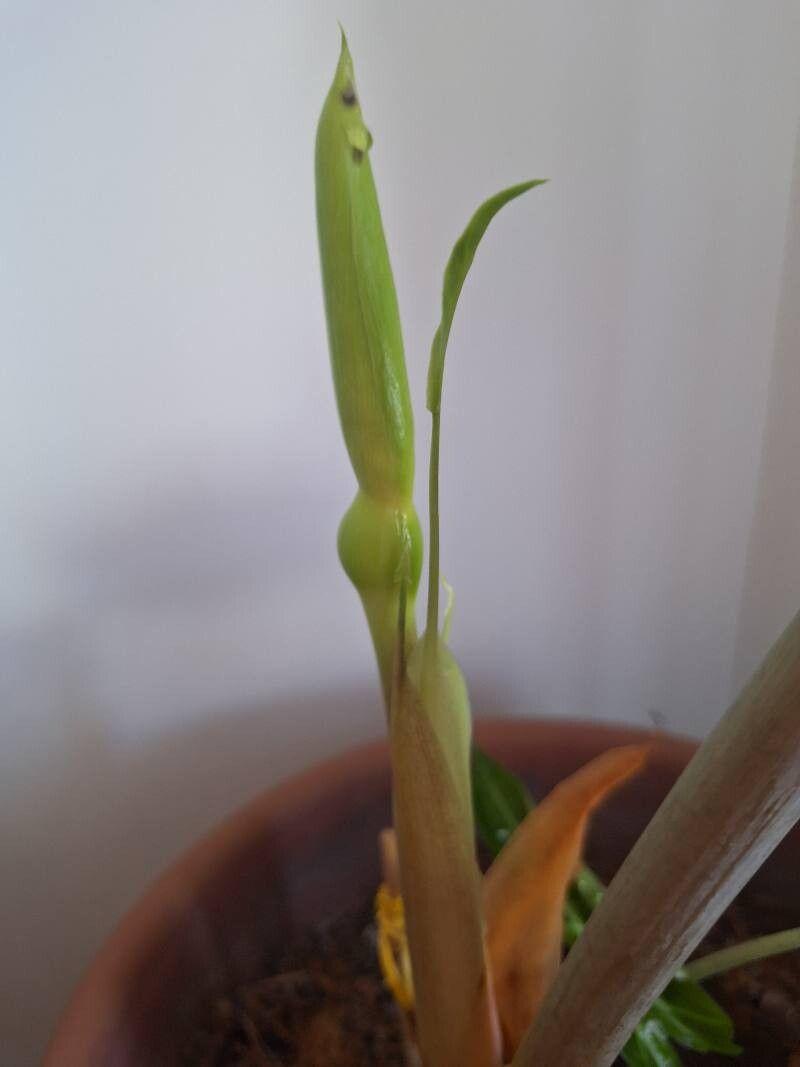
<point>763,999</point>
<point>325,1004</point>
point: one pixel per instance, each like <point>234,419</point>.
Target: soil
<point>326,1004</point>
<point>763,999</point>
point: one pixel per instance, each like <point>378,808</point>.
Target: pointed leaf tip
<point>344,68</point>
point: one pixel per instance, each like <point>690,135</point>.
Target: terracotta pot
<point>305,851</point>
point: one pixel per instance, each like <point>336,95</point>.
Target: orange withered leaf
<point>524,889</point>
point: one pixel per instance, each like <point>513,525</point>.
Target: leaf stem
<point>433,507</point>
<point>757,948</point>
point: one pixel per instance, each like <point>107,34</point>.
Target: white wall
<point>174,629</point>
<point>772,576</point>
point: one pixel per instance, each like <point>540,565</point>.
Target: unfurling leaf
<point>525,888</point>
<point>454,276</point>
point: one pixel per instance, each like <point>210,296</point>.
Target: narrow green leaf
<point>584,895</point>
<point>455,273</point>
<point>501,800</point>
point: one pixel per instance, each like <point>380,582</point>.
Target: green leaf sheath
<point>432,808</point>
<point>380,541</point>
<point>684,1013</point>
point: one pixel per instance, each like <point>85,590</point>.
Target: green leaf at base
<point>649,1046</point>
<point>694,1019</point>
<point>501,800</point>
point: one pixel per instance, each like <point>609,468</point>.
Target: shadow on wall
<point>106,818</point>
<point>120,745</point>
<point>198,541</point>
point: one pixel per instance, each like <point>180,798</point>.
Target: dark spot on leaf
<point>358,155</point>
<point>349,98</point>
